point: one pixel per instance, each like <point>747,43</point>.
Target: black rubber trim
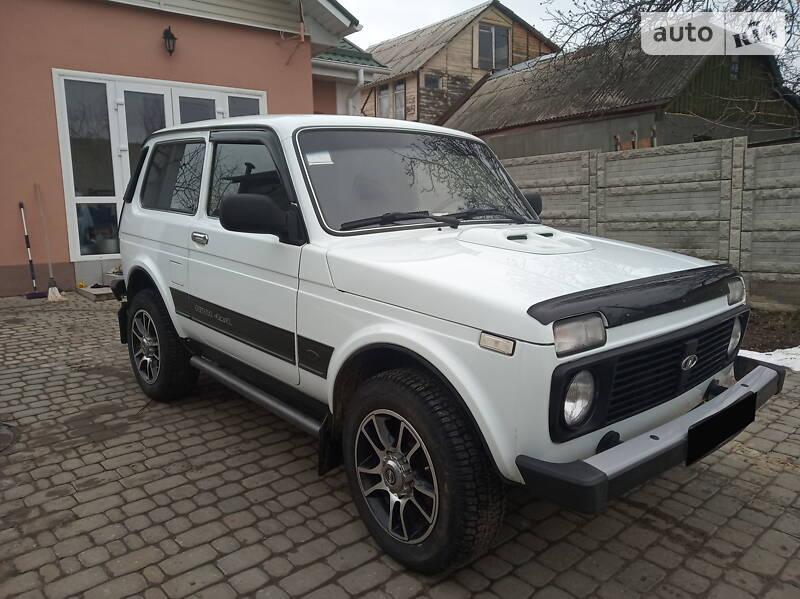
<point>628,302</point>
<point>270,339</point>
<point>122,321</point>
<point>313,356</point>
<point>602,366</point>
<point>127,198</point>
<point>633,478</point>
<point>574,485</point>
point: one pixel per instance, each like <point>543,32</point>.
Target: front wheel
<point>420,478</point>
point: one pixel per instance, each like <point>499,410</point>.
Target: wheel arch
<point>376,357</point>
<point>141,276</point>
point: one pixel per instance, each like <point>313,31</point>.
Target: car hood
<point>487,276</point>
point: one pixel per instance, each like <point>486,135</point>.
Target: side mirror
<point>253,213</point>
<point>534,201</point>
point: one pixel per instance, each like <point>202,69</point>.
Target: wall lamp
<point>169,40</point>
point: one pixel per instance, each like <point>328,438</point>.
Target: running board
<point>301,420</point>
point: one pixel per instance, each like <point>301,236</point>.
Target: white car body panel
<point>430,290</point>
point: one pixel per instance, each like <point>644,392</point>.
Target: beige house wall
<point>37,36</point>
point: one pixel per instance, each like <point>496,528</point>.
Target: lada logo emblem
<point>391,477</point>
<point>689,362</point>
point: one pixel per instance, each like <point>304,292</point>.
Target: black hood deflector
<point>627,302</point>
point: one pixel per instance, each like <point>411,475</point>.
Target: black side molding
<point>627,302</point>
<point>263,336</point>
<point>313,356</point>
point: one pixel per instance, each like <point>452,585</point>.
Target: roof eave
<point>349,66</point>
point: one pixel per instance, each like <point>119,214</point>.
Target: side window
<point>174,176</point>
<point>244,168</point>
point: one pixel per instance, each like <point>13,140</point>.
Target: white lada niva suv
<point>384,286</point>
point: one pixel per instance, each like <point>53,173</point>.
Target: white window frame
<point>494,27</point>
<point>115,87</point>
<point>389,98</point>
<point>395,94</point>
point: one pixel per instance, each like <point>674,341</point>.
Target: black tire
<point>175,377</point>
<point>471,495</point>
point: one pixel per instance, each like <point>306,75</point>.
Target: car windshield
<point>362,174</point>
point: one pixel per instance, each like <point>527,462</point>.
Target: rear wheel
<point>159,360</point>
<point>420,478</point>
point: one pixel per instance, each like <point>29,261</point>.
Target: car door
<point>242,296</point>
<point>160,222</point>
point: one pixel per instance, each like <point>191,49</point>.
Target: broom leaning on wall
<point>53,294</point>
<point>33,294</point>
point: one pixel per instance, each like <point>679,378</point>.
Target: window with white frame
<point>400,100</point>
<point>493,46</point>
<point>103,121</point>
<point>383,101</point>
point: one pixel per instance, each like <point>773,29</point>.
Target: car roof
<point>286,124</point>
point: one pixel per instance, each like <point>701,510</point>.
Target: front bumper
<point>587,485</point>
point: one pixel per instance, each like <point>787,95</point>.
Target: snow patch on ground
<point>790,358</point>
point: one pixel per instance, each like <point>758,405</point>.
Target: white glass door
<point>103,122</point>
<point>92,174</point>
<point>143,110</point>
<point>190,105</point>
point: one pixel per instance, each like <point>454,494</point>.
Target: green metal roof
<point>347,51</point>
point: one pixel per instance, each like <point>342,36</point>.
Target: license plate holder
<point>714,431</point>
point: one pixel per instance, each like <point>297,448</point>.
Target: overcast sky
<point>385,19</point>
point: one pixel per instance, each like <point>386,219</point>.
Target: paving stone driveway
<point>107,495</point>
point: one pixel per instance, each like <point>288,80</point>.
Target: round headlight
<point>736,336</point>
<point>579,398</point>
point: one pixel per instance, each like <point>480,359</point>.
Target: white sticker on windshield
<point>319,157</point>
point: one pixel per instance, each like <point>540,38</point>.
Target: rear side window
<point>244,168</point>
<point>174,176</point>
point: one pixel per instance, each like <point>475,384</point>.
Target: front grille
<point>645,379</point>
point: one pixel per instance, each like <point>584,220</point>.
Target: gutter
<point>349,66</point>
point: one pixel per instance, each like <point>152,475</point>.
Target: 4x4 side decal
<point>313,356</point>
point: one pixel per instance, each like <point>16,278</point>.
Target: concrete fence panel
<point>675,197</point>
<point>564,182</point>
<point>770,238</point>
<point>716,200</point>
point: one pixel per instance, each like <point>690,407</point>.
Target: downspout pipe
<point>356,89</point>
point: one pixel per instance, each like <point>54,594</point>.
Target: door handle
<point>200,238</point>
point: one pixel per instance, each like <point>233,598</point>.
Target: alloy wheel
<point>396,476</point>
<point>145,346</point>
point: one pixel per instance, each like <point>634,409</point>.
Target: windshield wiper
<point>467,214</point>
<point>392,217</point>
